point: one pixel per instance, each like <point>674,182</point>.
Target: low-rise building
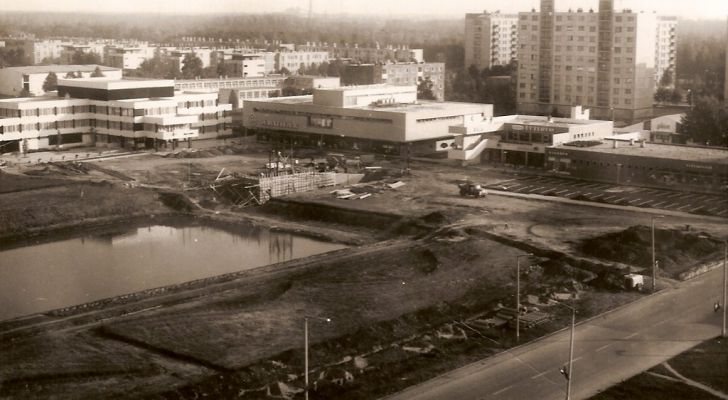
<point>101,112</point>
<point>378,118</point>
<point>294,61</point>
<point>128,57</point>
<point>245,65</point>
<point>14,81</point>
<point>643,164</point>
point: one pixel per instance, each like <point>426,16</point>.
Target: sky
<point>709,9</point>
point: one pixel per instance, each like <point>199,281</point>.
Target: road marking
<point>632,335</point>
<point>619,200</point>
<point>634,201</point>
<point>538,375</point>
<point>569,194</point>
<point>586,194</point>
<point>502,390</point>
<point>602,348</point>
<point>561,191</point>
<point>576,359</point>
<point>644,202</point>
<point>696,209</point>
<point>658,204</point>
<point>713,209</point>
<point>537,188</point>
<point>592,186</point>
<point>670,205</point>
<point>685,206</point>
<point>607,198</point>
<point>673,195</point>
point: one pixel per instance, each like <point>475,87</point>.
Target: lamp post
<point>305,344</point>
<point>568,372</point>
<point>725,285</point>
<point>518,294</point>
<point>654,264</point>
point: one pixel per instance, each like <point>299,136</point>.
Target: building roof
<point>115,84</point>
<point>656,150</point>
<point>557,122</point>
<point>44,69</point>
<point>420,106</point>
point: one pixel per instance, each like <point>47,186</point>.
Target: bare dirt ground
<point>405,300</point>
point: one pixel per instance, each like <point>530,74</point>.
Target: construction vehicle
<point>469,189</point>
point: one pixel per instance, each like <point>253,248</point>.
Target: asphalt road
<point>608,349</point>
<point>673,200</point>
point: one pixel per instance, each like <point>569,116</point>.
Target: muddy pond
<point>67,271</point>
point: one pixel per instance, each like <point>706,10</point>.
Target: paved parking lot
<point>697,203</point>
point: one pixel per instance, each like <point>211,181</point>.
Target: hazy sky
<point>453,8</point>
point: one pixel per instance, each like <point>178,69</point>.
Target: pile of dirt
<point>676,250</point>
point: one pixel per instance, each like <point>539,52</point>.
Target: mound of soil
<point>676,250</point>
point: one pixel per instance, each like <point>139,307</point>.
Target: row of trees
<point>482,86</point>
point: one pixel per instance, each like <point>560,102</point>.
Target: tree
<point>51,82</point>
<point>284,71</point>
<point>706,122</point>
<point>25,93</point>
<point>663,95</point>
<point>70,75</point>
<point>81,58</point>
<point>424,90</point>
<point>675,96</point>
<point>13,57</point>
<point>223,69</point>
<point>97,73</point>
<point>666,78</point>
<point>191,66</point>
<point>323,68</point>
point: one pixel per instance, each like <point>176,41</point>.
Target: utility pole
<point>654,263</point>
<point>725,284</point>
<point>518,294</point>
<point>571,355</point>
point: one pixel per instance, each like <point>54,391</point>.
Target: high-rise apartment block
<point>602,60</point>
<point>666,51</point>
<point>490,39</point>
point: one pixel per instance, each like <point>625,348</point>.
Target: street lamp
<point>518,294</point>
<point>654,263</point>
<point>305,341</point>
<point>725,285</point>
<point>568,372</point>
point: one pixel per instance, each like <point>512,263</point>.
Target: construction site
<point>436,271</point>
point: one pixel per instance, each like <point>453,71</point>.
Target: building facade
<point>378,118</point>
<point>293,61</point>
<point>128,57</point>
<point>245,65</point>
<point>666,51</point>
<point>106,113</point>
<point>490,39</point>
<point>213,85</point>
<point>604,61</point>
<point>367,54</point>
<point>400,74</point>
<point>16,80</point>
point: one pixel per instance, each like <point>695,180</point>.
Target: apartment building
<point>213,85</point>
<point>15,80</point>
<point>401,74</point>
<point>490,39</point>
<point>295,60</point>
<point>666,50</point>
<point>128,57</point>
<point>602,60</point>
<point>367,54</point>
<point>69,50</point>
<point>245,65</point>
<point>111,113</point>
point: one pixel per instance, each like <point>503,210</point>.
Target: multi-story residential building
<point>372,54</point>
<point>69,50</point>
<point>16,80</point>
<point>245,65</point>
<point>401,74</point>
<point>39,50</point>
<point>604,61</point>
<point>126,113</point>
<point>128,57</point>
<point>295,60</point>
<point>666,51</point>
<point>490,39</point>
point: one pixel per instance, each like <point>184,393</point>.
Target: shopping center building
<point>377,118</point>
<point>113,113</point>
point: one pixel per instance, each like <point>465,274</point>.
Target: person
<point>716,306</point>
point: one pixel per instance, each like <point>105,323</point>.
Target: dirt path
<point>695,384</point>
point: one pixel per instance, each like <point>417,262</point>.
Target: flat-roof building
<point>378,118</point>
<point>397,74</point>
<point>604,61</point>
<point>643,164</point>
<point>126,113</point>
<point>491,38</point>
<point>16,80</point>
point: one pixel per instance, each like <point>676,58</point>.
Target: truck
<point>470,189</point>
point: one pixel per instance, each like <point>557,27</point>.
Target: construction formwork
<point>275,185</point>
